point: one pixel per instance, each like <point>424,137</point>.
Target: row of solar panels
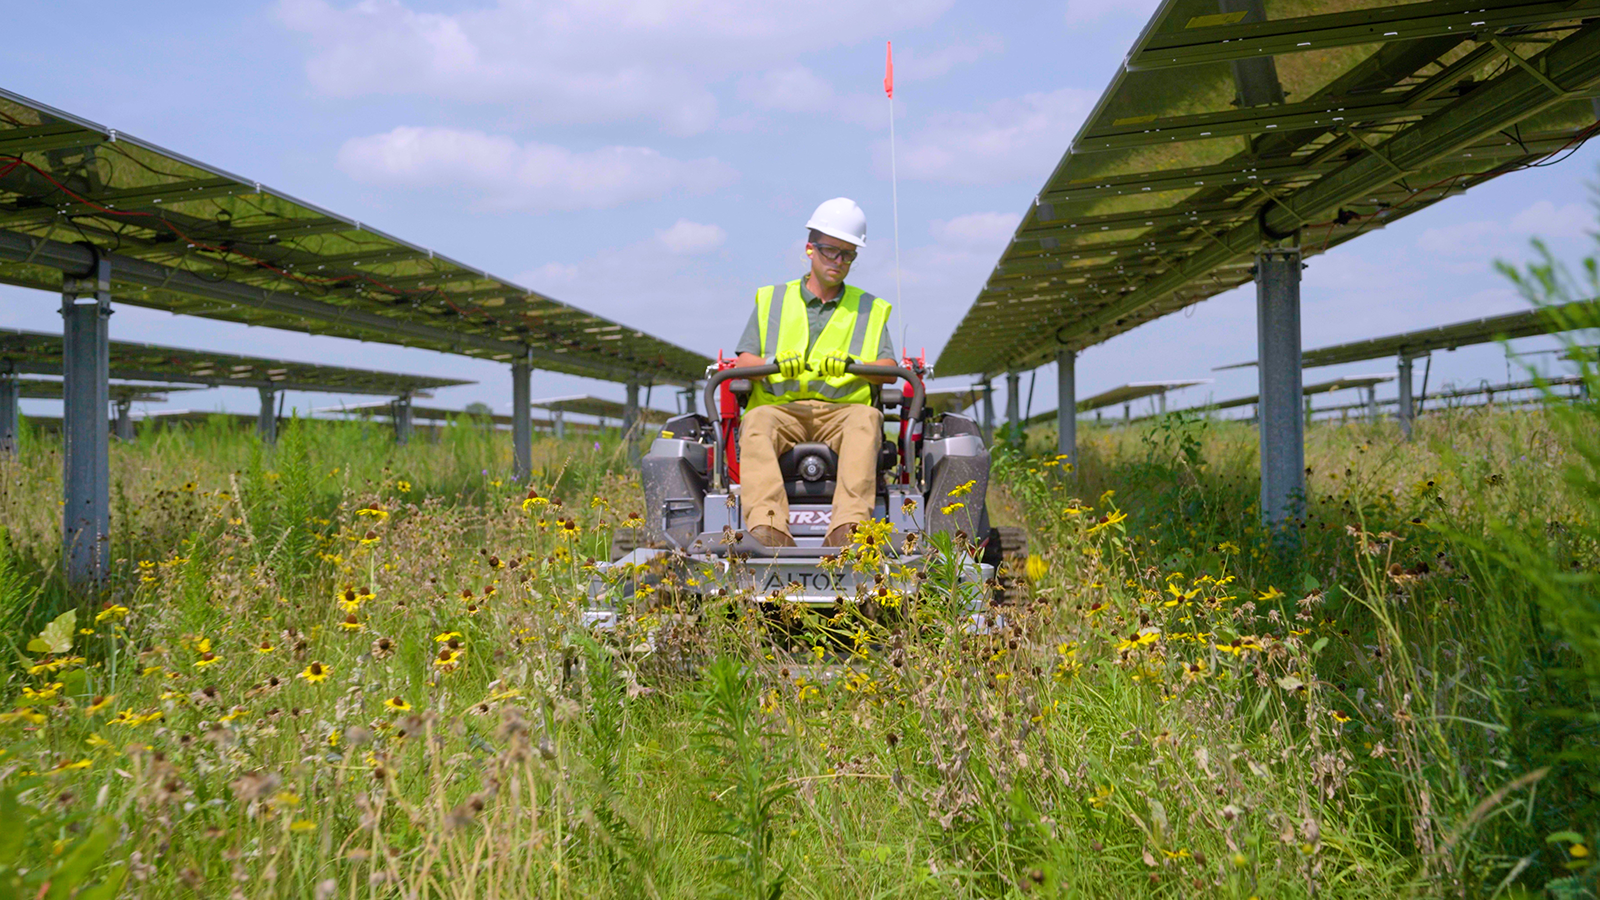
<point>1237,124</point>
<point>189,238</point>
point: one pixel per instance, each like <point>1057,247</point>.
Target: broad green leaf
<point>1290,683</point>
<point>1317,647</point>
<point>1570,837</point>
<point>57,636</point>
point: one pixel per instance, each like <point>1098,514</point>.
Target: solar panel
<point>189,238</point>
<point>1126,393</point>
<point>1324,387</point>
<point>440,414</point>
<point>952,400</point>
<point>40,389</point>
<point>1227,131</point>
<point>37,353</point>
<point>1448,337</point>
<point>599,407</point>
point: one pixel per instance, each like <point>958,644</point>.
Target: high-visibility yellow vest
<point>855,327</point>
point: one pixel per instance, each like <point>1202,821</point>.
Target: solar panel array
<point>38,353</point>
<point>1528,323</point>
<point>1319,119</point>
<point>599,407</point>
<point>1310,390</point>
<point>189,238</point>
<point>41,389</point>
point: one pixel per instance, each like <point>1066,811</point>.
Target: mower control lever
<point>908,460</point>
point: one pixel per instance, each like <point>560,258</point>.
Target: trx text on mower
<point>932,478</point>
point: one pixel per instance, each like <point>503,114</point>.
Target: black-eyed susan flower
<point>352,624</point>
<point>398,704</point>
<point>372,510</point>
<point>1339,716</point>
<point>403,486</point>
<point>98,705</point>
<point>264,647</point>
<point>382,648</point>
<point>111,612</point>
<point>43,694</point>
<point>1036,568</point>
<point>23,714</point>
<point>446,637</point>
<point>315,673</point>
<point>447,658</point>
<point>207,659</point>
<point>634,520</point>
<point>302,826</point>
<point>961,490</point>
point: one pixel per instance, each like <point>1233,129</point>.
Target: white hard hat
<point>841,218</point>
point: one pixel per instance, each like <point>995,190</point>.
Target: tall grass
<point>340,668</point>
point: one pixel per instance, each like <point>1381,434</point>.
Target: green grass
<point>1337,721</point>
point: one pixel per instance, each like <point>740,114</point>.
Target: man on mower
<point>812,328</point>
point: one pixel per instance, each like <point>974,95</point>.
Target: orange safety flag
<point>888,70</point>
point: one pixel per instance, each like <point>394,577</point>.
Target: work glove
<point>832,365</point>
<point>790,363</point>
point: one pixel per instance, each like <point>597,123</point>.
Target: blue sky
<point>655,162</point>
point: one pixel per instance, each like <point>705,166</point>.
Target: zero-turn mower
<point>933,474</point>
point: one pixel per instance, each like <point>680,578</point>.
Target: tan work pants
<point>853,430</point>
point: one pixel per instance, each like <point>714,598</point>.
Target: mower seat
<point>809,471</point>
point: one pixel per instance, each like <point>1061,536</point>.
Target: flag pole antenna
<point>894,177</point>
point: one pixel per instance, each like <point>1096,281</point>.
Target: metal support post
<point>1308,413</point>
<point>630,421</point>
<point>125,420</point>
<point>1256,77</point>
<point>560,421</point>
<point>1161,402</point>
<point>267,417</point>
<point>10,413</point>
<point>86,463</point>
<point>521,421</point>
<point>400,408</point>
<point>1282,430</point>
<point>1405,411</point>
<point>691,400</point>
<point>1067,406</point>
<point>1127,413</point>
<point>1372,404</point>
<point>988,413</point>
<point>1013,407</point>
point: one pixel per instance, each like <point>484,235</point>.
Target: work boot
<point>767,536</point>
<point>839,535</point>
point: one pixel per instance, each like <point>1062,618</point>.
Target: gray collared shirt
<point>817,315</point>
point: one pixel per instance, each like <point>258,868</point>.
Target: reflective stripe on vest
<point>783,326</point>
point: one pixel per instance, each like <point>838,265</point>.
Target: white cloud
<point>1545,219</point>
<point>688,238</point>
<point>982,231</point>
<point>797,89</point>
<point>532,176</point>
<point>912,65</point>
<point>577,61</point>
<point>1472,244</point>
<point>1007,140</point>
